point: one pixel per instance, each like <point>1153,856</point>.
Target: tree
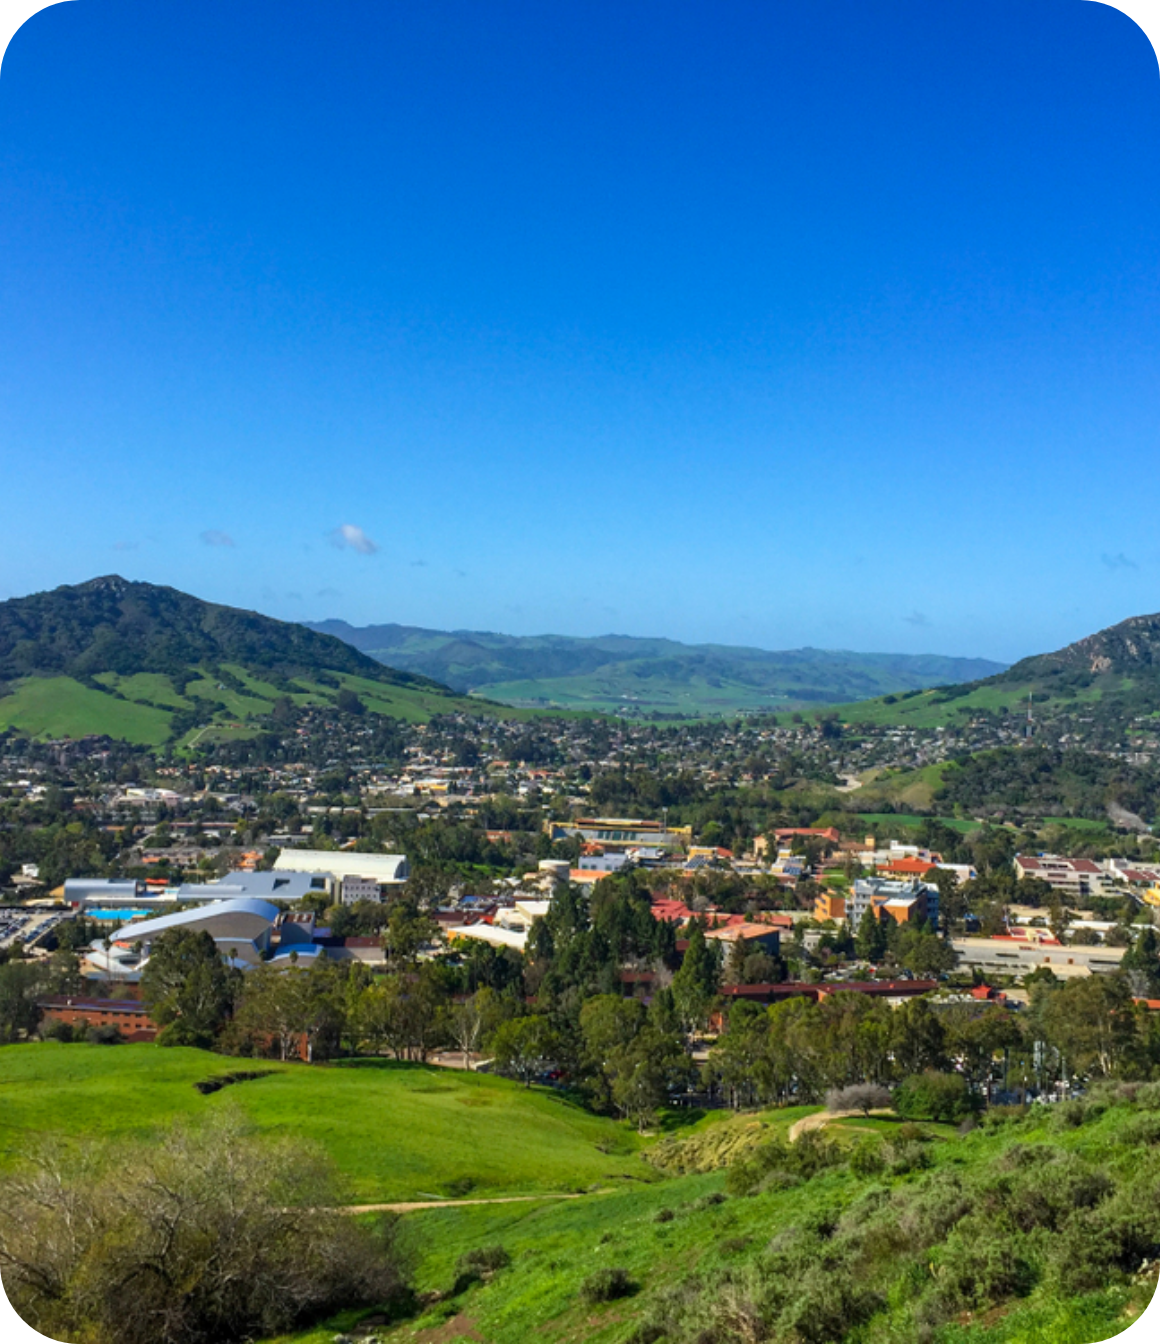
<point>924,952</point>
<point>864,1097</point>
<point>1141,963</point>
<point>287,1005</point>
<point>187,987</point>
<point>976,1038</point>
<point>609,1024</point>
<point>934,1096</point>
<point>523,1046</point>
<point>870,940</point>
<point>695,983</point>
<point>918,1039</point>
<point>644,1071</point>
<point>471,1023</point>
<point>21,984</point>
<point>1090,1021</point>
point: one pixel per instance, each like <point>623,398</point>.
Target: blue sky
<point>770,323</point>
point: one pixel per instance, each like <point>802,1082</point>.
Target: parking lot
<point>18,923</point>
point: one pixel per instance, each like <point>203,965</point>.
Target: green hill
<point>1102,687</point>
<point>396,1131</point>
<point>624,672</point>
<point>1035,1230</point>
<point>150,664</point>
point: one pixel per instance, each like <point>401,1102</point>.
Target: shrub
<point>606,1285</point>
<point>483,1260</point>
<point>709,1201</point>
<point>867,1157</point>
<point>981,1265</point>
<point>1141,1130</point>
<point>53,1029</point>
<point>175,1220</point>
<point>663,1216</point>
<point>108,1035</point>
<point>1148,1096</point>
<point>826,1306</point>
<point>902,1158</point>
<point>812,1153</point>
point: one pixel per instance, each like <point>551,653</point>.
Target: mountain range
<point>623,672</point>
<point>153,665</point>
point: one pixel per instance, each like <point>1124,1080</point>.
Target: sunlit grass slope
<point>397,1132</point>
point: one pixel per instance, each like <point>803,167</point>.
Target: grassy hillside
<point>397,1132</point>
<point>620,671</point>
<point>151,665</point>
<point>1030,1230</point>
<point>1007,1235</point>
<point>1109,681</point>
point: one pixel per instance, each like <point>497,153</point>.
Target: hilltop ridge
<point>150,664</point>
<point>615,672</point>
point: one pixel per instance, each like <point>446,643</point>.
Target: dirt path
<point>820,1119</point>
<point>414,1206</point>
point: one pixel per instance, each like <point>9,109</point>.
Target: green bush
<point>935,1096</point>
<point>606,1285</point>
<point>981,1265</point>
<point>483,1260</point>
<point>867,1157</point>
<point>53,1029</point>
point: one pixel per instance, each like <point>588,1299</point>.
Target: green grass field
<point>964,824</point>
<point>396,1132</point>
<point>62,707</point>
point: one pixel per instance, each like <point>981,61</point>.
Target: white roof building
<point>386,869</point>
<point>241,930</point>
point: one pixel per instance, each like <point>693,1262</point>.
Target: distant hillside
<point>621,671</point>
<point>1130,649</point>
<point>148,664</point>
<point>1103,689</point>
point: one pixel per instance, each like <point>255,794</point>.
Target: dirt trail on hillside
<point>415,1205</point>
<point>822,1118</point>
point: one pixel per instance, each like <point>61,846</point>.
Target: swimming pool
<point>116,916</point>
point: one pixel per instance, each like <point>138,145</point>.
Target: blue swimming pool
<point>116,916</point>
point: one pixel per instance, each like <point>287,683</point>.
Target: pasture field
<point>397,1132</point>
<point>62,707</point>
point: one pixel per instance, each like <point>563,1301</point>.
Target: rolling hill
<point>1103,687</point>
<point>151,665</point>
<point>615,672</point>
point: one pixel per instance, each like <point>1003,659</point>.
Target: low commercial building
<point>1030,951</point>
<point>621,832</point>
<point>1077,878</point>
<point>387,870</point>
<point>129,1017</point>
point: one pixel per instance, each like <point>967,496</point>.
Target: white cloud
<point>349,537</point>
<point>215,538</point>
